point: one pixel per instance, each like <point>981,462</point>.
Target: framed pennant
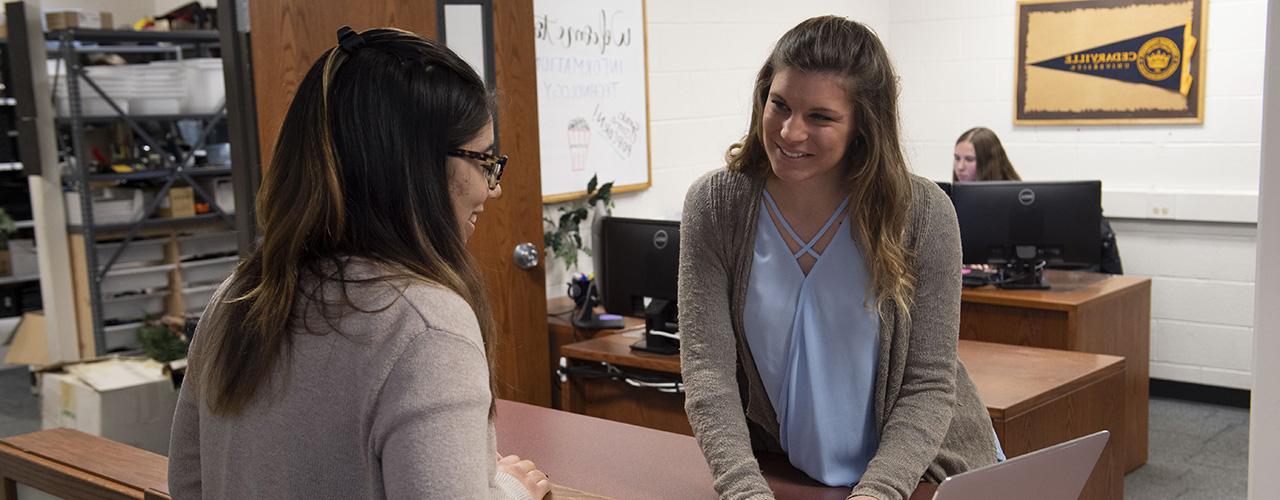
<point>1109,62</point>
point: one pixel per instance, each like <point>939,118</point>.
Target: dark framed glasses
<point>492,164</point>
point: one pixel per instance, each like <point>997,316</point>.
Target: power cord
<point>612,372</point>
<point>1039,267</point>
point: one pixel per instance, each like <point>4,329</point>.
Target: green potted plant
<point>7,228</point>
<point>562,239</point>
<point>162,342</point>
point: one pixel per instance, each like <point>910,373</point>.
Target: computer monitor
<point>945,187</point>
<point>1020,227</point>
<point>640,260</point>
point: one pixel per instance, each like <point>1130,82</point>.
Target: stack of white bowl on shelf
<point>157,89</point>
<point>115,83</point>
<point>190,86</point>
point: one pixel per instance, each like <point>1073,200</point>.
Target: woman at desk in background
<point>819,292</point>
<point>347,356</point>
<point>979,156</point>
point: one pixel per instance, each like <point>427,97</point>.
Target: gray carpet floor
<point>19,409</point>
<point>1197,450</point>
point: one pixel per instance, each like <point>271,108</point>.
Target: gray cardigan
<point>394,404</point>
<point>930,419</point>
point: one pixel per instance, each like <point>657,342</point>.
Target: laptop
<point>1054,473</point>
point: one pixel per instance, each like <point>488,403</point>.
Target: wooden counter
<point>1036,397</point>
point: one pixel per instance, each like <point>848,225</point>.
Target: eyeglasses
<point>492,164</point>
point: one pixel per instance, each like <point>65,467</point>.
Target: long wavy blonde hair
<point>879,181</point>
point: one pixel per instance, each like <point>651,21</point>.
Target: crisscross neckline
<point>806,247</point>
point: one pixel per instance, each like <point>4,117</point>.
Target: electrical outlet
<point>1161,206</point>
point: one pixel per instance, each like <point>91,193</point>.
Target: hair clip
<point>349,39</point>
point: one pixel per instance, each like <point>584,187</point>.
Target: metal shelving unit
<point>172,171</point>
<point>47,144</point>
<point>66,120</point>
<point>168,222</point>
<point>158,174</point>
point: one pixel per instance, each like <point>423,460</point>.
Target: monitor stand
<point>1021,275</point>
<point>587,319</point>
<point>661,328</point>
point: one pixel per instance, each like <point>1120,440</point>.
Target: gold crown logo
<point>1158,61</point>
<point>1158,58</point>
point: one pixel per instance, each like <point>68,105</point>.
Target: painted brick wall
<point>957,65</point>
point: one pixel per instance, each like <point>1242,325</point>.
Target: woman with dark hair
<point>820,287</point>
<point>348,355</point>
<point>980,157</point>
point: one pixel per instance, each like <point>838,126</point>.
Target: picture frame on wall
<point>1110,62</point>
<point>593,95</point>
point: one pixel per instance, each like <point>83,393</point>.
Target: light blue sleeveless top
<point>815,341</point>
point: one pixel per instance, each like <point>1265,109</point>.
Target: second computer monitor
<point>639,258</point>
<point>1005,221</point>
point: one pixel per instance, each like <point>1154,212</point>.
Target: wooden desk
<point>71,464</point>
<point>612,400</point>
<point>636,463</point>
<point>558,311</point>
<point>1036,397</point>
<point>624,461</point>
<point>1084,312</point>
<point>1040,397</point>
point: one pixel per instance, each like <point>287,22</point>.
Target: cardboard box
<point>127,400</point>
<point>6,265</point>
<point>180,202</point>
<point>65,19</point>
<point>30,343</point>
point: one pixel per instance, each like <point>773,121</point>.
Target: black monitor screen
<point>1058,220</point>
<point>945,187</point>
<point>639,258</point>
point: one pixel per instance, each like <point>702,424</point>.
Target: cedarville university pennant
<point>1108,62</point>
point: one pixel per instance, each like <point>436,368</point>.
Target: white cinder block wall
<point>1202,268</point>
<point>956,64</point>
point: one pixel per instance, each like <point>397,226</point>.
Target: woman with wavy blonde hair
<point>347,356</point>
<point>820,287</point>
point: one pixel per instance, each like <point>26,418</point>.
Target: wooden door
<point>288,35</point>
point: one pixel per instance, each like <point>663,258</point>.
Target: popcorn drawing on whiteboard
<point>579,139</point>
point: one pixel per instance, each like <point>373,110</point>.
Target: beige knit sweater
<point>394,404</point>
<point>930,419</point>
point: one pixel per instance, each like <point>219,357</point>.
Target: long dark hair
<point>993,163</point>
<point>879,180</point>
<point>359,171</point>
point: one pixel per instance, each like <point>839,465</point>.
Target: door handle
<point>526,256</point>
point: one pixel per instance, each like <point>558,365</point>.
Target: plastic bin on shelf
<point>122,336</point>
<point>155,105</point>
<point>135,279</point>
<point>91,105</point>
<point>110,206</point>
<point>138,251</point>
<point>133,307</point>
<point>204,79</point>
<point>222,191</point>
<point>203,272</point>
<point>194,245</point>
<point>116,83</point>
<point>195,298</point>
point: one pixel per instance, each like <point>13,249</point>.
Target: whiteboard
<point>593,102</point>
